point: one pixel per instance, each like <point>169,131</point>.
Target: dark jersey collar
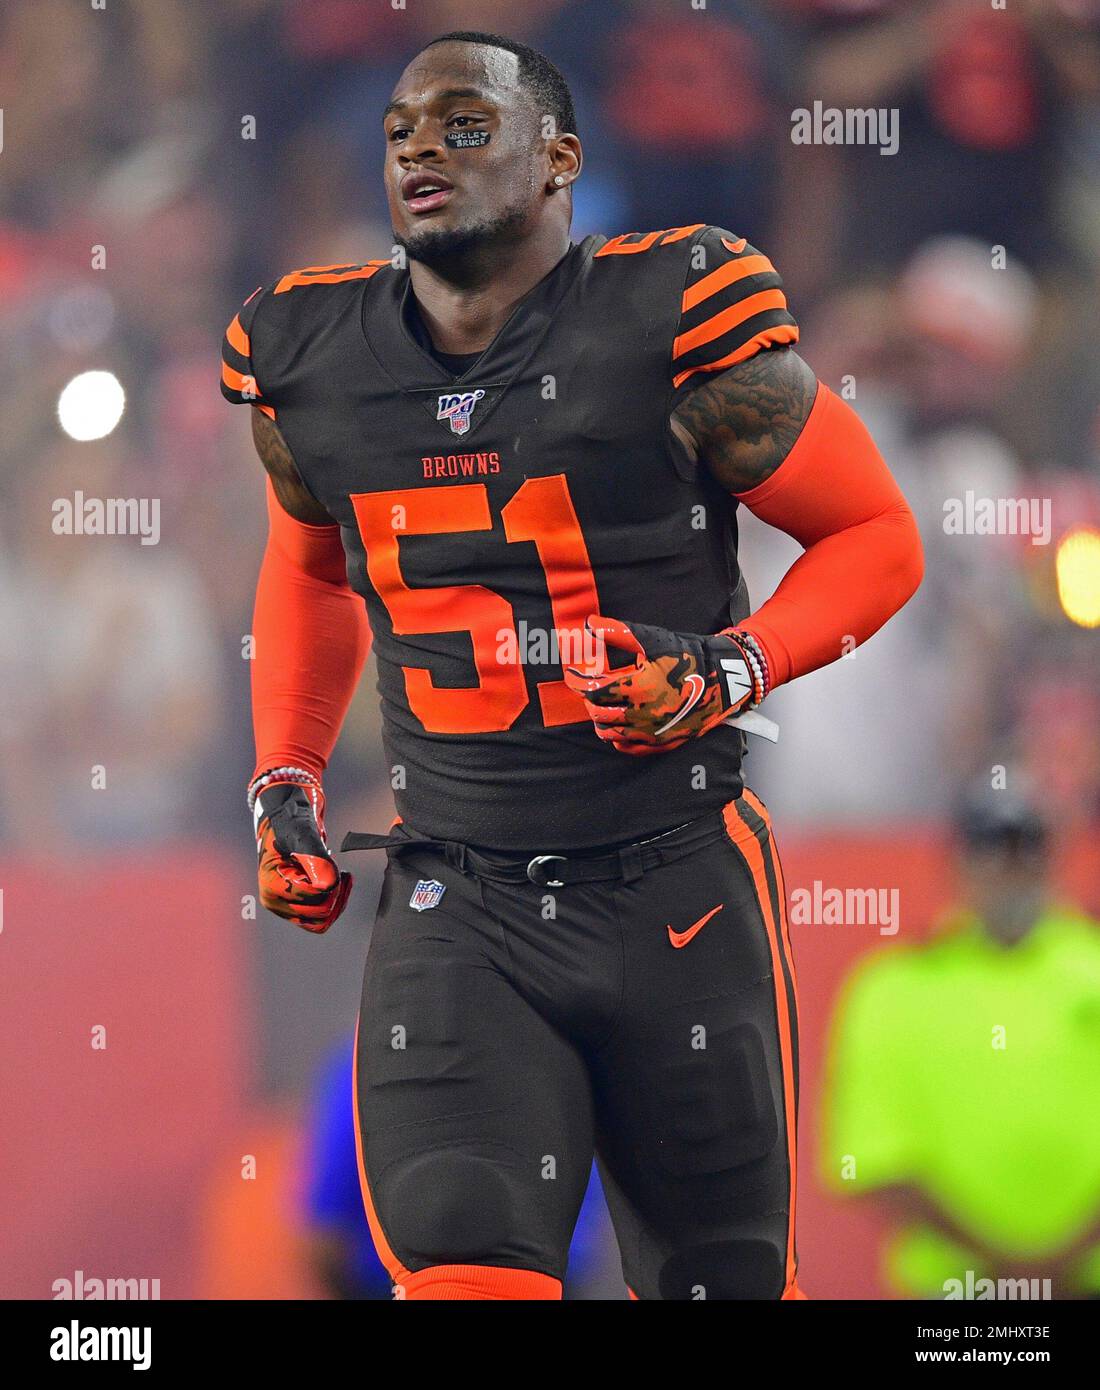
<point>456,363</point>
<point>386,327</point>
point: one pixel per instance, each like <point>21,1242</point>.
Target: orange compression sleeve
<point>311,640</point>
<point>862,555</point>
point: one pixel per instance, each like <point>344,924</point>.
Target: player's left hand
<point>678,687</point>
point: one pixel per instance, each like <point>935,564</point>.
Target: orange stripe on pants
<point>753,853</point>
<point>394,1267</point>
<point>762,811</point>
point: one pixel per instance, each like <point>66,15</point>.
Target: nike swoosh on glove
<point>679,686</point>
<point>299,879</point>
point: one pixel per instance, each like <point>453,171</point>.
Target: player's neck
<point>465,305</point>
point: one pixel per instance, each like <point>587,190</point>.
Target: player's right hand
<point>678,686</point>
<point>299,879</point>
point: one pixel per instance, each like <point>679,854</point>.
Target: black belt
<point>555,870</point>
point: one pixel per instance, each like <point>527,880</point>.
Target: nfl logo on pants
<point>427,893</point>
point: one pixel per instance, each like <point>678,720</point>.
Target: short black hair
<point>537,73</point>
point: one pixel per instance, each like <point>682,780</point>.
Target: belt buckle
<point>541,859</point>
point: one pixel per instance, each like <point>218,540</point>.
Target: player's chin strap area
<point>626,864</point>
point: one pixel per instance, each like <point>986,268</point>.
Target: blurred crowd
<point>139,205</point>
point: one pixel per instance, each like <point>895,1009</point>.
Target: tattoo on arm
<point>744,423</point>
<point>294,497</point>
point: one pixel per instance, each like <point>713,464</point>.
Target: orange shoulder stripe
<point>779,336</point>
<point>236,381</point>
<point>726,274</point>
<point>729,318</point>
<point>238,338</point>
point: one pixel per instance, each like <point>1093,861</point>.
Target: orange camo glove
<point>299,879</point>
<point>679,686</point>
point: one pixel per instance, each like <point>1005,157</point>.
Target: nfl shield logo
<point>427,893</point>
<point>458,407</point>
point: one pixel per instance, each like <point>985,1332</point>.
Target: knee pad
<point>448,1207</point>
<point>717,1112</point>
<point>727,1269</point>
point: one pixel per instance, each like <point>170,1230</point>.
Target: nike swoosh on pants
<point>681,938</point>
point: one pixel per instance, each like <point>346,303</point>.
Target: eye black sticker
<point>466,139</point>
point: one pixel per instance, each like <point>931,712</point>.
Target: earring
<point>559,180</point>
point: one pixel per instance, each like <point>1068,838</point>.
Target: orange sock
<point>482,1282</point>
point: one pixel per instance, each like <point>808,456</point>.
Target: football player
<point>526,456</point>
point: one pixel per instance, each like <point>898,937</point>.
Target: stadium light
<point>91,405</point>
<point>1077,565</point>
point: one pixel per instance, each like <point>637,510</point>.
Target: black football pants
<point>514,1027</point>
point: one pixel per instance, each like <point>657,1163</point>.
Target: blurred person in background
<point>693,107</point>
<point>928,361</point>
<point>118,667</point>
<point>962,1081</point>
<point>980,94</point>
